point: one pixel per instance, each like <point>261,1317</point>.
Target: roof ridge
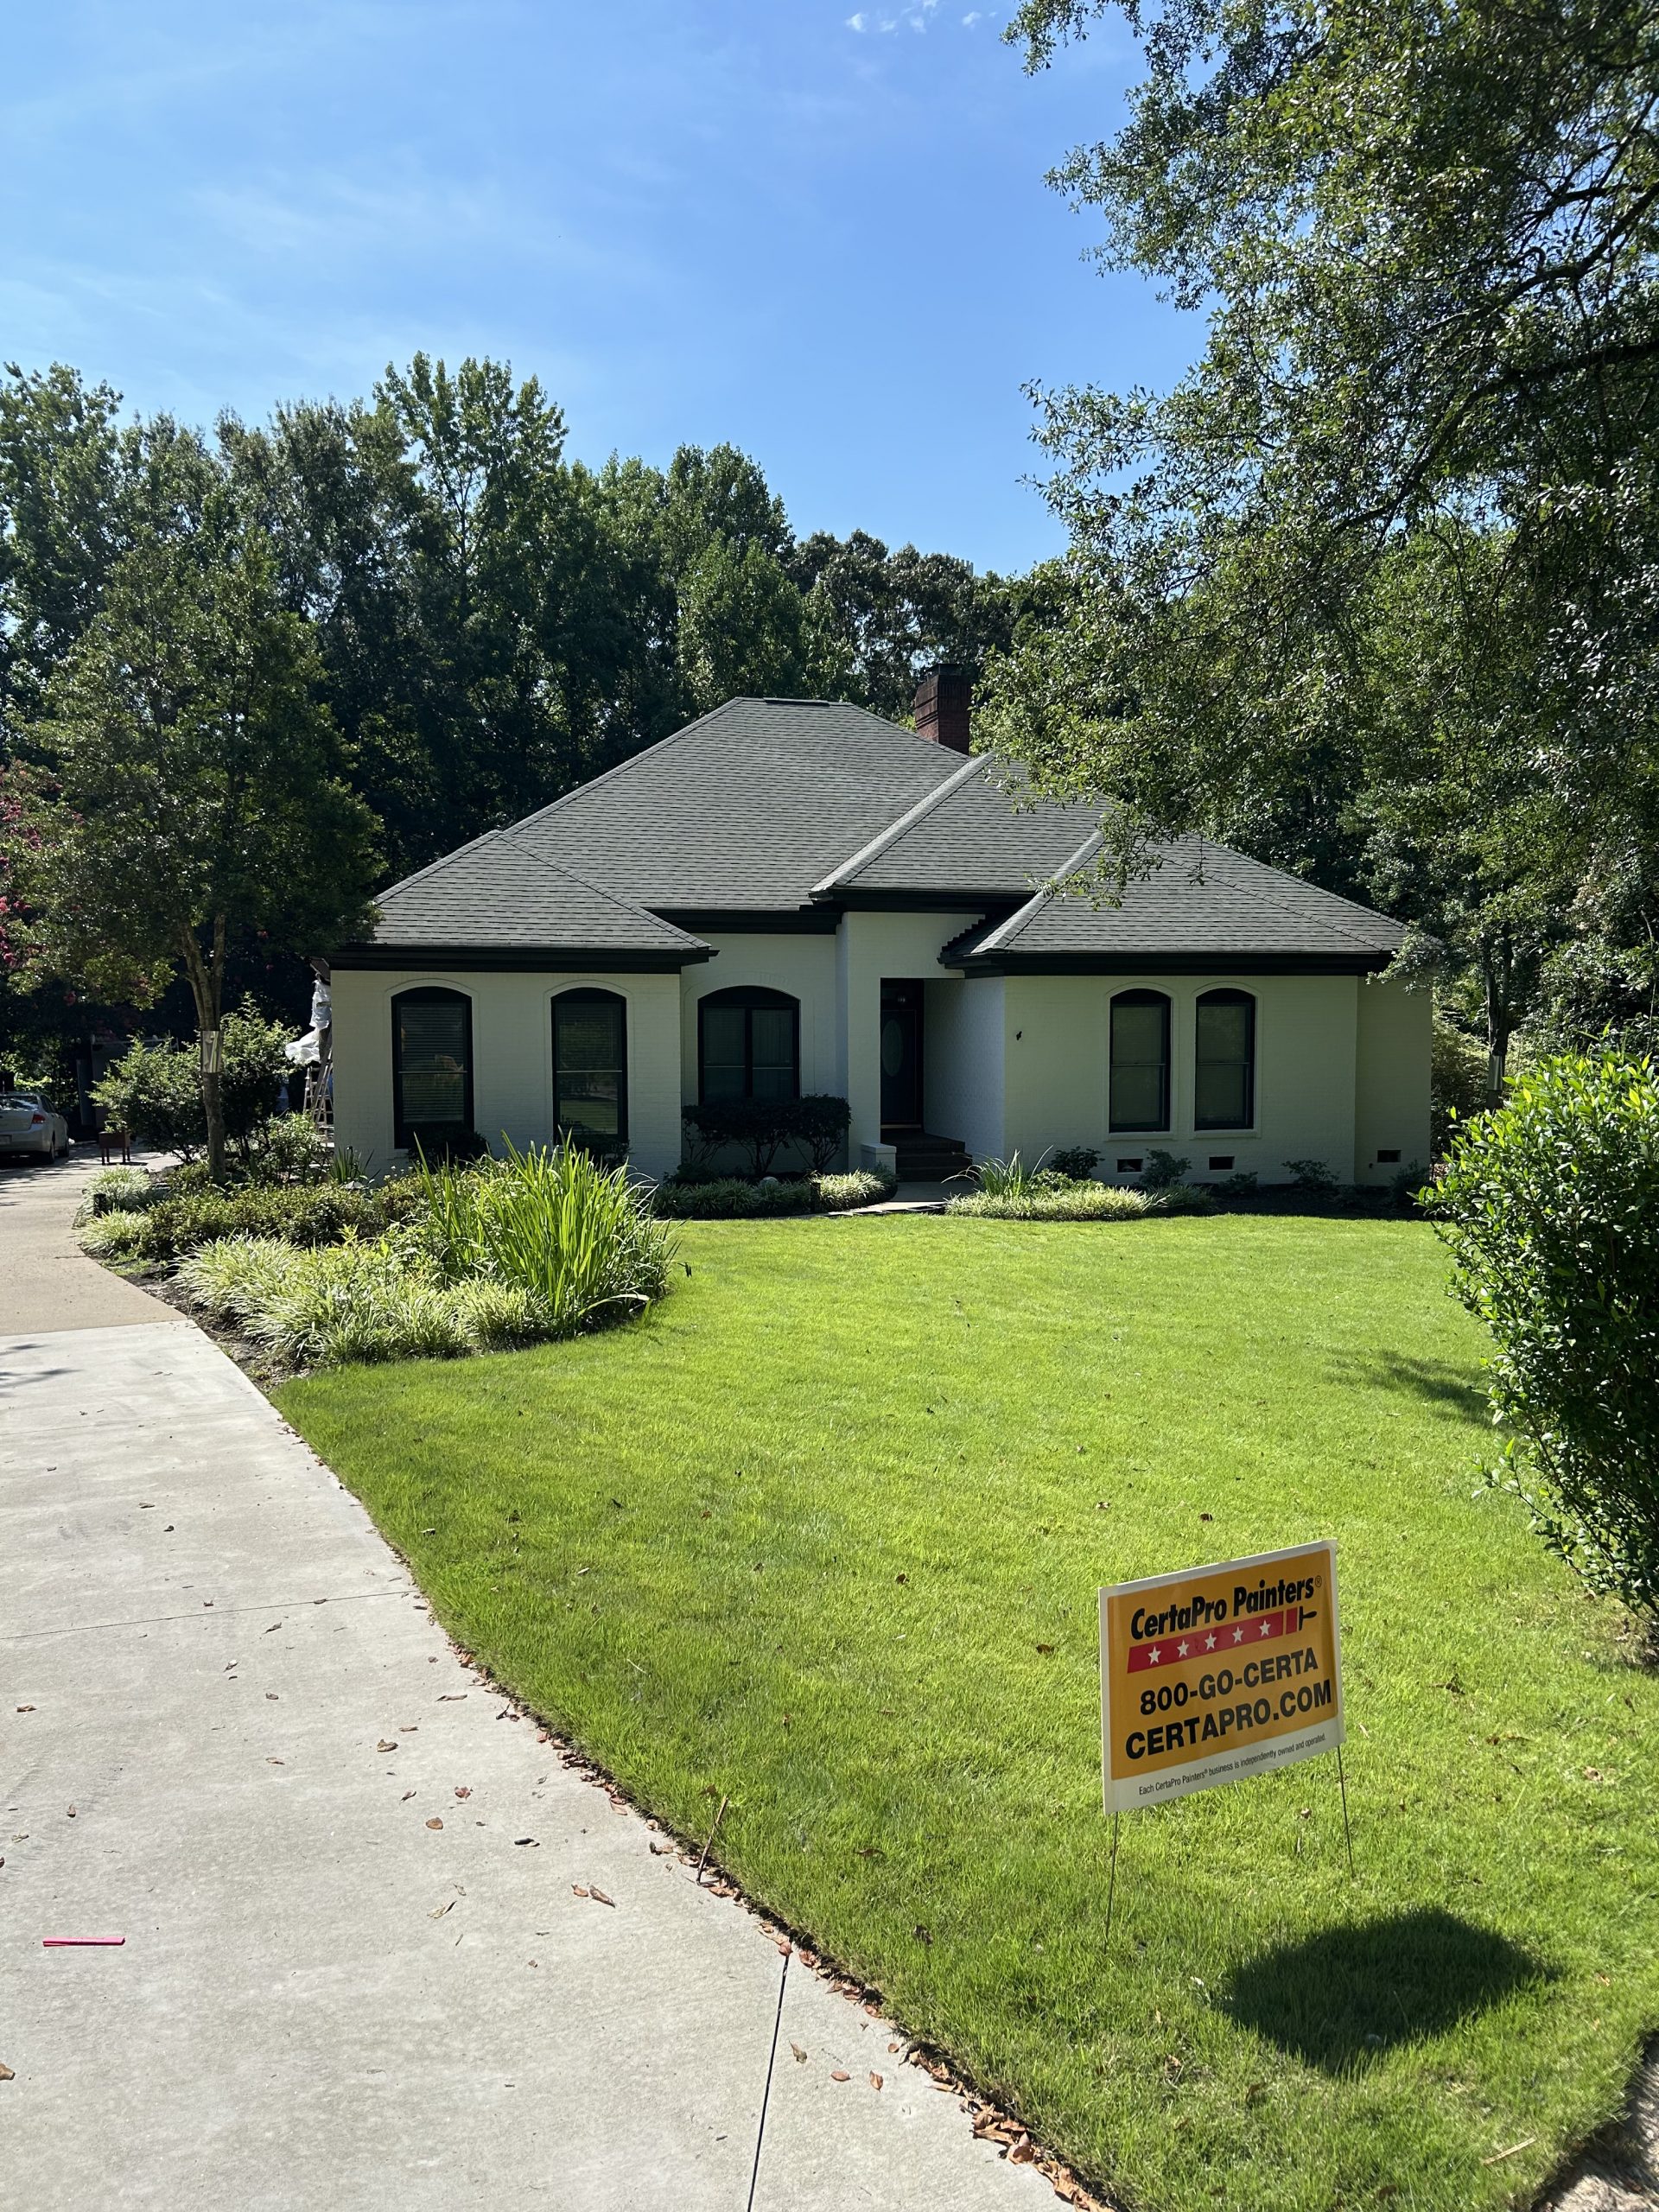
<point>1252,891</point>
<point>894,830</point>
<point>570,875</point>
<point>1007,931</point>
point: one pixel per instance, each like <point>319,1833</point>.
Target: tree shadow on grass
<point>1346,1996</point>
<point>1437,1381</point>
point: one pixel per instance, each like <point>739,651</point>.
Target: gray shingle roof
<point>767,805</point>
<point>748,808</point>
<point>976,832</point>
<point>497,893</point>
<point>1200,899</point>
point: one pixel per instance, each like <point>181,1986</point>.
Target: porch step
<point>922,1158</point>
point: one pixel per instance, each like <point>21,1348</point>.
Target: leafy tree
<point>189,785</point>
<point>1419,442</point>
<point>1551,1208</point>
<point>154,1089</point>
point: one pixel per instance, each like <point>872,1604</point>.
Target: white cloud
<point>857,23</point>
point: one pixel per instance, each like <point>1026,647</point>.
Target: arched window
<point>748,1045</point>
<point>1140,1073</point>
<point>431,1064</point>
<point>1225,1094</point>
<point>590,1068</point>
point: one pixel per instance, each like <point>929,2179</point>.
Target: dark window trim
<point>1227,995</point>
<point>748,996</point>
<point>1136,1128</point>
<point>426,995</point>
<point>590,993</point>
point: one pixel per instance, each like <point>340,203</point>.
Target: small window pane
<point>723,1034</point>
<point>1140,1070</point>
<point>1221,1099</point>
<point>589,1062</point>
<point>432,1058</point>
<point>1224,1094</point>
<point>773,1035</point>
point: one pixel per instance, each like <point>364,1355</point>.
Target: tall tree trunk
<point>1497,977</point>
<point>207,977</point>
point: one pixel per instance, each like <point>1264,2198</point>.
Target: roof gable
<point>979,831</point>
<point>748,807</point>
<point>1198,900</point>
<point>499,892</point>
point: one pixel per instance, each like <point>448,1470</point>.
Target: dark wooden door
<point>901,1055</point>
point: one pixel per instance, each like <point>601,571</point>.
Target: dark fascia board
<point>493,959</point>
<point>750,921</point>
<point>1001,902</point>
<point>1232,961</point>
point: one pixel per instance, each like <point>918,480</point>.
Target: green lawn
<point>826,1531</point>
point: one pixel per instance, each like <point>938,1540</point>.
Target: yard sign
<point>1219,1673</point>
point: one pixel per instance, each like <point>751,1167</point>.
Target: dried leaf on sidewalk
<point>6,2074</point>
<point>837,2075</point>
<point>385,1744</point>
<point>434,1823</point>
<point>800,2055</point>
<point>599,1897</point>
<point>875,2081</point>
<point>439,1912</point>
<point>463,1790</point>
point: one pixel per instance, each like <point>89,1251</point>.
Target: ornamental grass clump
<point>1550,1205</point>
<point>572,1233</point>
<point>1059,1202</point>
<point>364,1302</point>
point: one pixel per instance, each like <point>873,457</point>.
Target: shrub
<point>1077,1162</point>
<point>154,1091</point>
<point>1068,1202</point>
<point>1240,1186</point>
<point>312,1215</point>
<point>289,1148</point>
<point>729,1198</point>
<point>1185,1197</point>
<point>357,1302</point>
<point>113,1236</point>
<point>441,1146</point>
<point>762,1127</point>
<point>1550,1205</point>
<point>1312,1178</point>
<point>860,1186</point>
<point>1163,1169</point>
<point>572,1233</point>
<point>1008,1178</point>
<point>124,1190</point>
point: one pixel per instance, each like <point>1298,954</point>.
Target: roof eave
<point>1226,961</point>
<point>621,960</point>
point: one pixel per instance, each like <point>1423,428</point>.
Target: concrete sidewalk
<point>357,1970</point>
<point>45,1281</point>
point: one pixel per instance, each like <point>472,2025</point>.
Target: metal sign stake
<point>1111,1885</point>
<point>1348,1834</point>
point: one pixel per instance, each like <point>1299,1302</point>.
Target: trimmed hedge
<point>729,1198</point>
<point>307,1215</point>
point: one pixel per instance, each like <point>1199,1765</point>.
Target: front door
<point>901,1055</point>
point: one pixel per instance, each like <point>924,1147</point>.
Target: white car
<point>27,1123</point>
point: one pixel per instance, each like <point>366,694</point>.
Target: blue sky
<point>821,233</point>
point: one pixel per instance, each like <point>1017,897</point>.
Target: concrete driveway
<point>358,1967</point>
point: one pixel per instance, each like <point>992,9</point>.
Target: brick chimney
<point>944,703</point>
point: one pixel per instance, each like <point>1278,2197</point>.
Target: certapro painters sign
<point>1219,1673</point>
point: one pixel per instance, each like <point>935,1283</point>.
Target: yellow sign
<point>1219,1673</point>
